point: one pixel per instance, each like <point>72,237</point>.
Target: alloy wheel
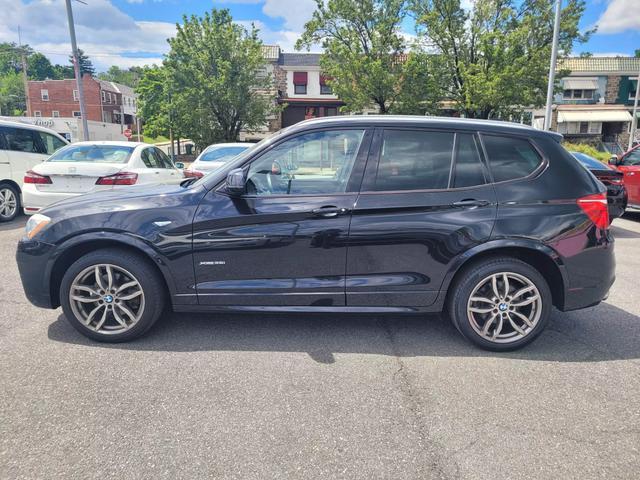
<point>8,203</point>
<point>107,299</point>
<point>504,307</point>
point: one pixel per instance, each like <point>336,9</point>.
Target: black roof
<point>423,121</point>
<point>300,59</point>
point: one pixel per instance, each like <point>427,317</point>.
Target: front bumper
<point>33,261</point>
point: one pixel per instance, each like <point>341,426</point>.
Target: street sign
<point>127,133</point>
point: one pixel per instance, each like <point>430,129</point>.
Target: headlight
<point>36,224</point>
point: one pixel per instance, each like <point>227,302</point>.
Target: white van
<point>22,147</point>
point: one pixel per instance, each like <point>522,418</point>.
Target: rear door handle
<point>329,211</point>
<point>471,202</point>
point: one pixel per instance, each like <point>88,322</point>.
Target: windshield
<point>221,154</point>
<point>93,154</point>
<point>588,161</point>
<point>633,158</point>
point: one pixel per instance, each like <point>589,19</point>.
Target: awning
<point>299,78</point>
<point>594,116</point>
<point>583,83</point>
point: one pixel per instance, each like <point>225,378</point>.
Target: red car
<point>629,164</point>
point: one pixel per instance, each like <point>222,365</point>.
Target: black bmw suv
<point>490,222</point>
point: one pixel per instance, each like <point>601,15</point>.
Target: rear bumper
<point>32,258</point>
<point>34,200</point>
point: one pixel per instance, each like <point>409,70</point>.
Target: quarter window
<point>414,160</point>
<point>510,157</point>
<point>468,170</point>
<point>316,163</point>
<point>149,159</point>
<point>51,143</point>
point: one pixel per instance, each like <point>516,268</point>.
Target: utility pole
<point>78,73</point>
<point>552,66</point>
<point>25,80</point>
<point>634,120</point>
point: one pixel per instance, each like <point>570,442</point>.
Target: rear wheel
<point>501,304</point>
<point>9,202</point>
<point>111,295</point>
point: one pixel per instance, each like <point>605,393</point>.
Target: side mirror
<point>179,165</point>
<point>236,182</point>
<point>613,160</point>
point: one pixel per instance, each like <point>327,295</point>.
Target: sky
<point>134,32</point>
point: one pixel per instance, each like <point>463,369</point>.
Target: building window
<point>77,114</point>
<point>55,114</point>
<point>104,96</point>
<point>577,94</point>
<point>75,96</point>
<point>44,94</point>
<point>108,97</point>
<point>580,128</point>
<point>300,83</point>
<point>37,113</point>
<point>325,89</point>
<point>632,90</point>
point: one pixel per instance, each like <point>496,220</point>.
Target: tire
<point>9,202</point>
<point>492,321</point>
<point>121,313</point>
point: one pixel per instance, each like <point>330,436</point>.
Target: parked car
<point>340,214</point>
<point>88,167</point>
<point>22,147</point>
<point>213,157</point>
<point>611,178</point>
<point>629,164</point>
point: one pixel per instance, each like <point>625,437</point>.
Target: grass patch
<point>158,139</point>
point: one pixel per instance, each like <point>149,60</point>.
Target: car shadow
<point>621,232</point>
<point>17,223</point>
<point>601,333</point>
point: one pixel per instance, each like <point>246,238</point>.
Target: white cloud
<point>619,16</point>
<point>295,13</point>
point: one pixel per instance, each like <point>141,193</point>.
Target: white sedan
<point>214,156</point>
<point>86,167</point>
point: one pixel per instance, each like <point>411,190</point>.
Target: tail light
<point>33,177</point>
<point>193,174</point>
<point>595,206</point>
<point>120,178</point>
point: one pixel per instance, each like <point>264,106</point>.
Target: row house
<point>595,104</point>
<point>106,102</point>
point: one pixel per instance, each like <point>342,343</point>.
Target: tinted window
<point>632,158</point>
<point>51,143</point>
<point>149,159</point>
<point>92,153</point>
<point>21,140</point>
<point>314,163</point>
<point>220,154</point>
<point>468,170</point>
<point>162,159</point>
<point>510,157</point>
<point>414,160</point>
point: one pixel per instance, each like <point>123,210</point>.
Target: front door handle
<point>329,211</point>
<point>471,202</point>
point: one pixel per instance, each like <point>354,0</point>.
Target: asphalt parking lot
<point>322,396</point>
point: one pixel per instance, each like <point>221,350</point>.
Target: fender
<point>123,238</point>
<point>499,244</point>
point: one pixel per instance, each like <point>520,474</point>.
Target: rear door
<point>168,171</point>
<point>24,150</point>
<point>425,199</point>
<point>152,170</point>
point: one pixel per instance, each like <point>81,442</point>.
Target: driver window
<point>312,164</point>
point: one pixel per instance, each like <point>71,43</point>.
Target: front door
<point>425,199</point>
<point>630,167</point>
<point>283,243</point>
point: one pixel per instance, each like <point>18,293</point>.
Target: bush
<point>587,149</point>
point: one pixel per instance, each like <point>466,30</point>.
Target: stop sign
<point>127,133</point>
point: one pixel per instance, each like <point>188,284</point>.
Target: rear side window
<point>149,159</point>
<point>510,157</point>
<point>21,140</point>
<point>468,170</point>
<point>51,143</point>
<point>414,160</point>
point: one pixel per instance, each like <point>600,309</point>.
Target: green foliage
<point>130,76</point>
<point>86,67</point>
<point>587,149</point>
<point>39,67</point>
<point>496,57</point>
<point>364,55</point>
<point>216,79</point>
<point>153,91</point>
<point>12,101</point>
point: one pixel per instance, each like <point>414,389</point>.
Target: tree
<point>153,91</point>
<point>129,77</point>
<point>364,54</point>
<point>496,57</point>
<point>39,67</point>
<point>637,53</point>
<point>12,100</point>
<point>61,72</point>
<point>215,71</point>
<point>86,66</point>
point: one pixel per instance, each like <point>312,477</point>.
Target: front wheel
<point>111,295</point>
<point>9,202</point>
<point>501,304</point>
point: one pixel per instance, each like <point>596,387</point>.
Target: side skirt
<point>300,309</point>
